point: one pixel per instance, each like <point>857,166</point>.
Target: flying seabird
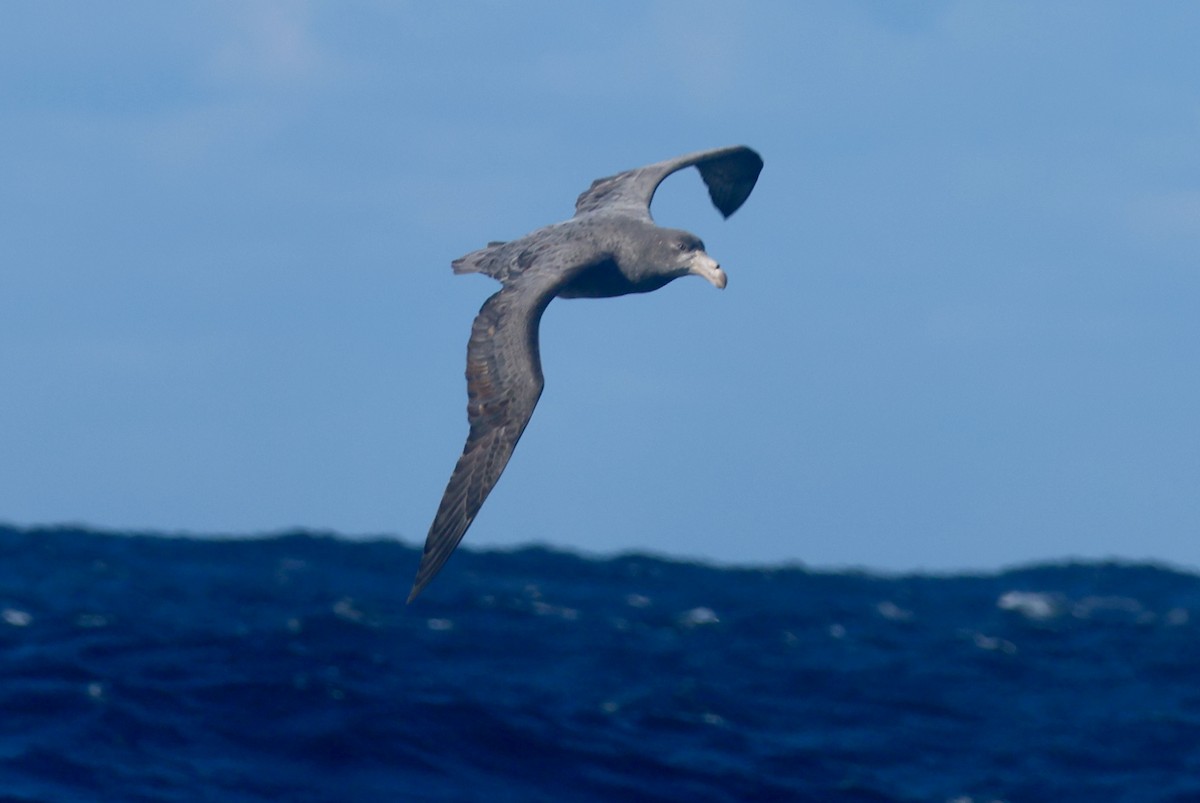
<point>611,247</point>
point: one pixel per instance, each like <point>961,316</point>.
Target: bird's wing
<point>730,174</point>
<point>504,381</point>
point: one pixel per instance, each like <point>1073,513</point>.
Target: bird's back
<point>552,249</point>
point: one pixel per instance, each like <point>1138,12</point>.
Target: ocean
<point>142,667</point>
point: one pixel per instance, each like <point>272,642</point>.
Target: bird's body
<point>611,247</point>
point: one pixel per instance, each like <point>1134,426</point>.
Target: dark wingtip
<point>438,548</point>
<point>424,575</point>
<point>731,178</point>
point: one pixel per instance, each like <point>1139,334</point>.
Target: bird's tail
<point>484,261</point>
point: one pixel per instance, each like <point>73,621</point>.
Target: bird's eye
<point>681,245</point>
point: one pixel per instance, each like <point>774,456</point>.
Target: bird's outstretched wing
<point>504,381</point>
<point>730,174</point>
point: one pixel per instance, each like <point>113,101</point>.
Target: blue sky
<point>961,328</point>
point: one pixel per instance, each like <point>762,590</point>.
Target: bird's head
<point>680,253</point>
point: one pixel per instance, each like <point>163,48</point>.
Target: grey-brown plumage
<point>611,247</point>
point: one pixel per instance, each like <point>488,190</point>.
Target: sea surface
<point>288,668</point>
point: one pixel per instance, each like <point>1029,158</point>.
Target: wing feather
<point>730,174</point>
<point>504,382</point>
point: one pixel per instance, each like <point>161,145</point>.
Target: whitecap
<point>995,644</point>
<point>1033,605</point>
<point>16,618</point>
<point>562,612</point>
<point>344,609</point>
<point>699,616</point>
<point>637,601</point>
<point>890,610</point>
<point>1177,616</point>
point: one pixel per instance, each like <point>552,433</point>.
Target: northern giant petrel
<point>611,247</point>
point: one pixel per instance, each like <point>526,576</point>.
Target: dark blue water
<point>289,669</point>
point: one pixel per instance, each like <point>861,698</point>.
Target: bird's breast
<point>602,280</point>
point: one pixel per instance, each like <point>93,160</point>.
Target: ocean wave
<point>289,668</point>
